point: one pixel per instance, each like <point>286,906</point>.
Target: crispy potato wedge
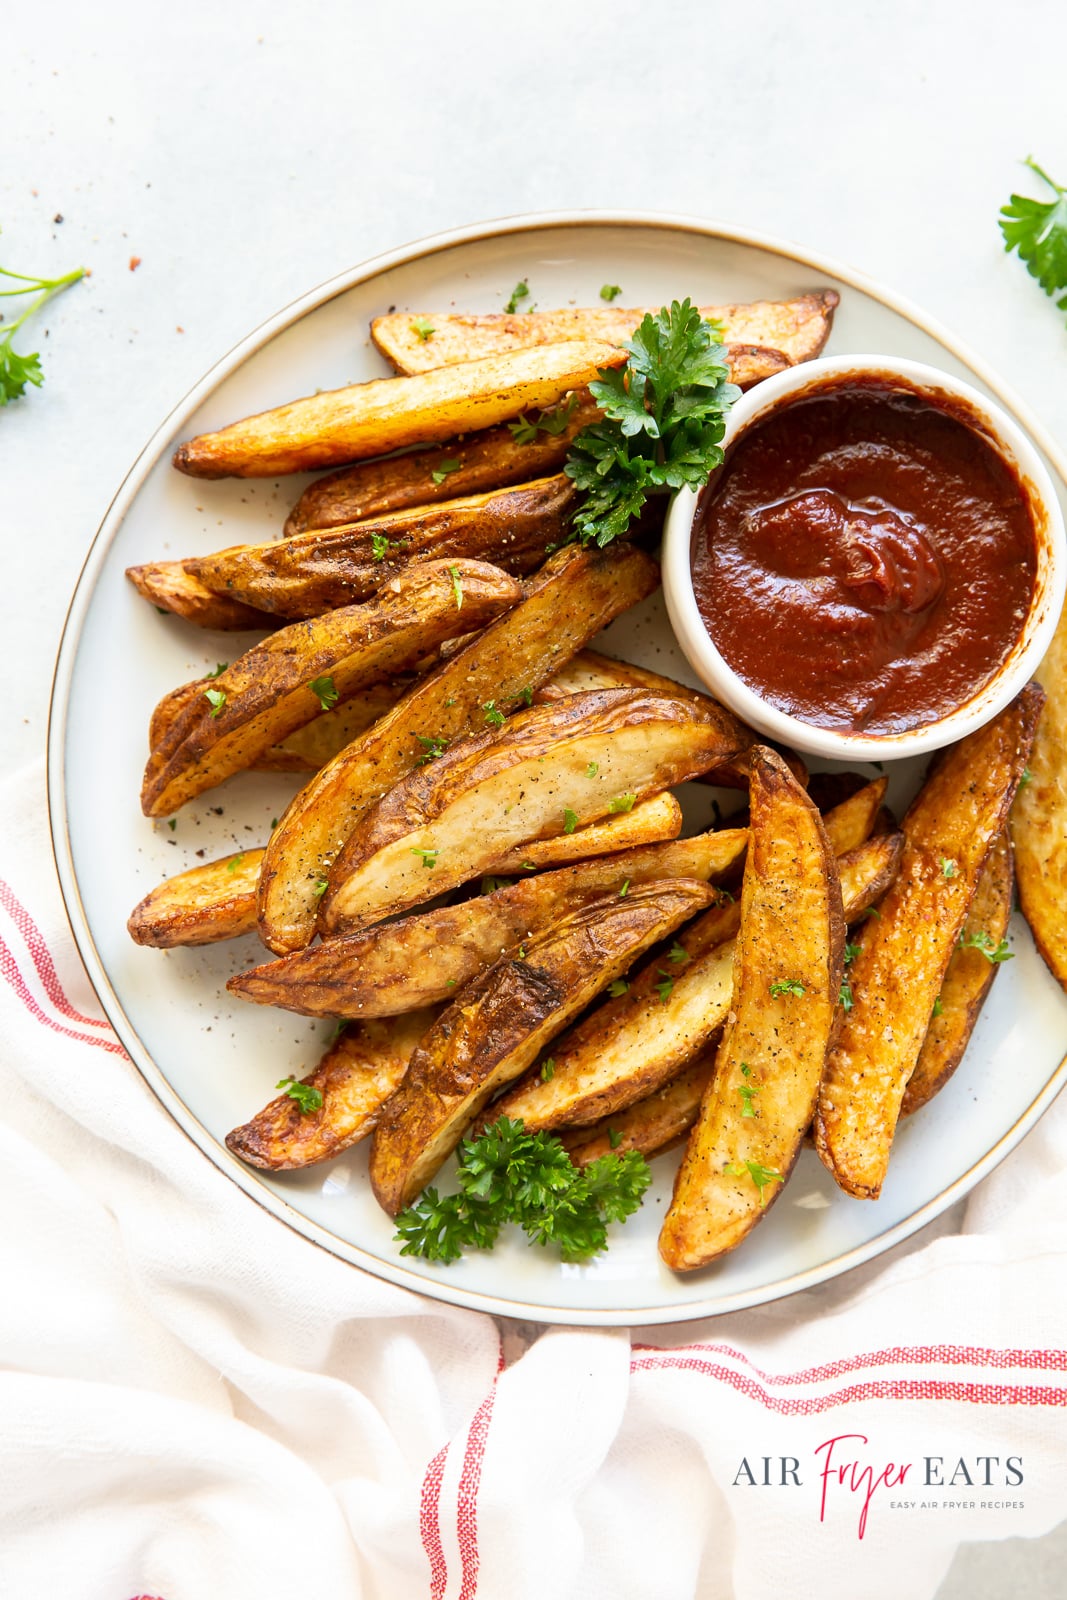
<point>649,822</point>
<point>575,594</point>
<point>267,693</point>
<point>313,572</point>
<point>968,980</point>
<point>498,1024</point>
<point>355,1077</point>
<point>490,459</point>
<point>653,1125</point>
<point>371,419</point>
<point>629,1046</point>
<point>582,758</point>
<point>211,902</point>
<point>904,953</point>
<point>850,822</point>
<point>760,1100</point>
<point>796,329</point>
<point>171,587</point>
<point>1039,818</point>
<point>416,960</point>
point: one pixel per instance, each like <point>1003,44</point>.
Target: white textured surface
<point>245,152</point>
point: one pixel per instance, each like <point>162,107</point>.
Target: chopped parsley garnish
<point>622,802</point>
<point>457,587</point>
<point>948,866</point>
<point>1037,229</point>
<point>872,911</point>
<point>509,1175</point>
<point>762,1177</point>
<point>325,691</point>
<point>429,857</point>
<point>665,986</point>
<point>235,861</point>
<point>494,717</point>
<point>431,748</point>
<point>380,545</point>
<point>614,1138</point>
<point>489,884</point>
<point>624,891</point>
<point>938,1007</point>
<point>787,986</point>
<point>591,770</point>
<point>851,952</point>
<point>677,954</point>
<point>520,292</point>
<point>1026,778</point>
<point>570,820</point>
<point>216,699</point>
<point>526,695</point>
<point>446,469</point>
<point>748,1092</point>
<point>619,987</point>
<point>610,291</point>
<point>984,942</point>
<point>548,1070</point>
<point>422,327</point>
<point>664,418</point>
<point>219,670</point>
<point>553,421</point>
<point>307,1097</point>
<point>845,997</point>
<point>341,1028</point>
<point>16,371</point>
<point>172,824</point>
<point>319,887</point>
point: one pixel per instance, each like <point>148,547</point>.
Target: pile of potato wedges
<point>483,877</point>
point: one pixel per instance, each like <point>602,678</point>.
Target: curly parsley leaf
<point>307,1097</point>
<point>553,421</point>
<point>761,1176</point>
<point>379,545</point>
<point>984,942</point>
<point>216,699</point>
<point>782,986</point>
<point>16,370</point>
<point>520,293</point>
<point>446,469</point>
<point>432,748</point>
<point>664,419</point>
<point>325,691</point>
<point>1037,229</point>
<point>609,292</point>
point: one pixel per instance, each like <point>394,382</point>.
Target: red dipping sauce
<point>864,559</point>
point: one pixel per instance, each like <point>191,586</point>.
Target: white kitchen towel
<point>197,1402</point>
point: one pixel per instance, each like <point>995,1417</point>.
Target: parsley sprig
<point>509,1175</point>
<point>664,417</point>
<point>1037,229</point>
<point>984,942</point>
<point>16,370</point>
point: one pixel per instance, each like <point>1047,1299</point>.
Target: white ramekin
<point>1009,441</point>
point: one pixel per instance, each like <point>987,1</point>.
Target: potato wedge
<point>760,1100</point>
<point>904,953</point>
<point>576,593</point>
<point>267,693</point>
<point>490,459</point>
<point>1039,818</point>
<point>170,587</point>
<point>652,1125</point>
<point>968,979</point>
<point>851,821</point>
<point>371,419</point>
<point>211,902</point>
<point>797,329</point>
<point>582,758</point>
<point>396,966</point>
<point>355,1077</point>
<point>648,822</point>
<point>313,572</point>
<point>498,1024</point>
<point>630,1045</point>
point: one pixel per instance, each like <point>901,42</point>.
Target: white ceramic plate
<point>213,1060</point>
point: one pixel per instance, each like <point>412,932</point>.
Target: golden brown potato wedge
<point>371,419</point>
<point>904,952</point>
<point>852,820</point>
<point>490,459</point>
<point>416,960</point>
<point>631,1044</point>
<point>498,1024</point>
<point>268,692</point>
<point>1039,817</point>
<point>796,329</point>
<point>314,572</point>
<point>787,978</point>
<point>648,822</point>
<point>211,902</point>
<point>171,587</point>
<point>570,763</point>
<point>652,1125</point>
<point>968,979</point>
<point>575,594</point>
<point>355,1078</point>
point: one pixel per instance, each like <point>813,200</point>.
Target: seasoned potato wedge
<point>968,979</point>
<point>355,1077</point>
<point>1039,818</point>
<point>648,822</point>
<point>371,419</point>
<point>852,820</point>
<point>652,1125</point>
<point>904,953</point>
<point>498,1024</point>
<point>575,761</point>
<point>211,902</point>
<point>267,693</point>
<point>787,978</point>
<point>416,960</point>
<point>796,329</point>
<point>575,594</point>
<point>171,587</point>
<point>490,459</point>
<point>630,1045</point>
<point>312,572</point>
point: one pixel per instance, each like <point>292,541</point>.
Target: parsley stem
<point>1034,167</point>
<point>48,286</point>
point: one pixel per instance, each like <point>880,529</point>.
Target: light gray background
<point>247,151</point>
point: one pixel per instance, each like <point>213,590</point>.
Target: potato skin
<point>497,1025</point>
<point>372,419</point>
<point>1039,817</point>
